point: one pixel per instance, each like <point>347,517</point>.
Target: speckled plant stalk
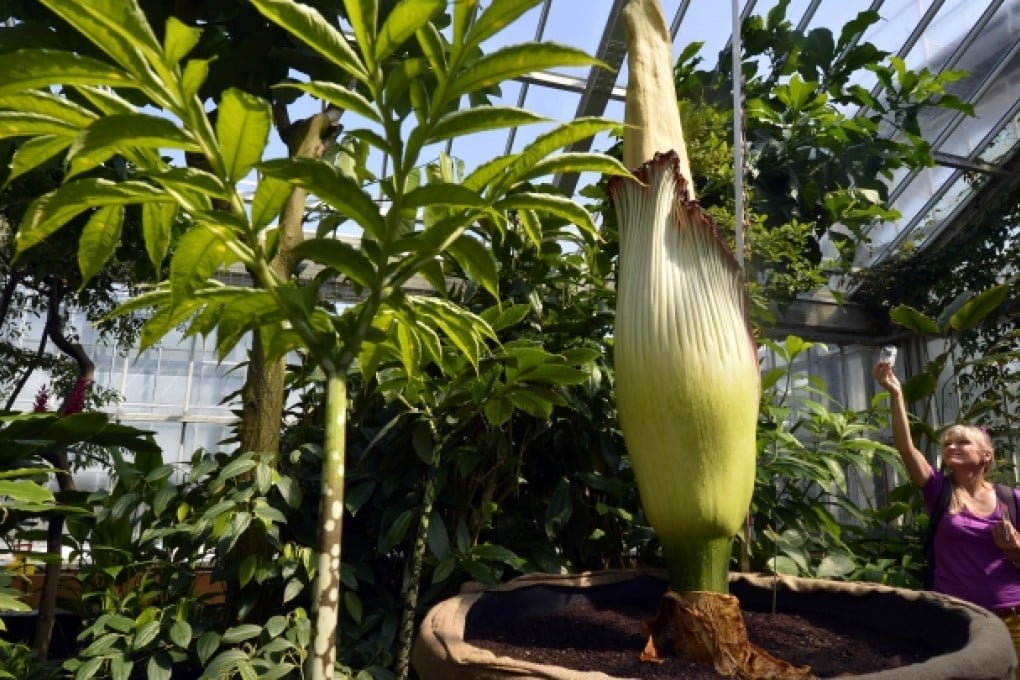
<point>326,589</point>
<point>686,366</point>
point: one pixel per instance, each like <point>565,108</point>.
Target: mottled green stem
<point>415,566</point>
<point>326,589</point>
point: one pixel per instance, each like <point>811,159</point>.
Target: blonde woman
<point>976,544</point>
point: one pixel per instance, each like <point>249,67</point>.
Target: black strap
<point>1008,500</point>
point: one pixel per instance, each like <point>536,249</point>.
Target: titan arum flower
<point>687,376</point>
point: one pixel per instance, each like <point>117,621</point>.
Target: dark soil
<point>584,637</point>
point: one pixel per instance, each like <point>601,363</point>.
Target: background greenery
<point>481,451</point>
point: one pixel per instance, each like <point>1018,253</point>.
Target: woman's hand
<point>1008,540</point>
<point>883,373</point>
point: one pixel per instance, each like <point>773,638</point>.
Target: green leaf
<point>535,402</point>
<point>479,119</point>
<point>118,28</point>
<point>494,553</point>
<point>89,668</point>
<point>120,668</point>
<point>558,138</point>
<point>235,468</point>
<point>165,320</point>
<point>340,96</point>
<point>49,105</point>
<point>438,539</point>
<point>565,163</point>
<point>26,491</point>
<point>146,634</point>
<point>463,328</point>
<point>179,40</point>
<point>53,210</point>
<point>180,634</point>
<point>33,69</point>
<point>246,570</point>
<point>160,667</point>
<point>396,533</point>
<point>118,133</point>
<point>18,124</point>
<point>196,71</point>
<point>270,197</point>
<point>919,387</point>
<point>242,125</point>
<point>503,318</point>
<point>835,566</point>
<point>308,26</point>
<point>477,261</point>
<point>977,308</point>
<point>914,320</point>
<point>431,43</point>
<point>444,194</point>
<point>402,23</point>
<point>99,240</point>
<point>340,256</point>
<point>559,510</point>
<point>363,16</point>
<point>207,644</point>
<point>191,186</point>
<point>496,17</point>
<point>157,223</point>
<point>352,603</point>
<point>243,312</point>
<point>245,631</point>
<point>199,254</point>
<point>33,152</point>
<point>514,61</point>
<point>330,185</point>
<point>552,204</point>
<point>532,226</point>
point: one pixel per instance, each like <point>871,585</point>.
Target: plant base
<point>708,628</point>
<point>966,641</point>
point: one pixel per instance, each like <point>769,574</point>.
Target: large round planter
<point>976,643</point>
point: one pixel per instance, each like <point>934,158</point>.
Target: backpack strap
<point>1008,499</point>
<point>928,545</point>
<point>942,504</point>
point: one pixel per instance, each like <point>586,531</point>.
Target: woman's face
<point>961,450</point>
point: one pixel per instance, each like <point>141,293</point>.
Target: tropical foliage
<point>480,437</point>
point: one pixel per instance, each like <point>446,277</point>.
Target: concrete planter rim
<point>440,651</point>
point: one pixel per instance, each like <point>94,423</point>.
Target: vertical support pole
<point>738,136</point>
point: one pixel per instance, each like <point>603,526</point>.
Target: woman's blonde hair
<point>983,439</point>
<point>974,433</point>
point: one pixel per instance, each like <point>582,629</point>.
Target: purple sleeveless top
<point>968,565</point>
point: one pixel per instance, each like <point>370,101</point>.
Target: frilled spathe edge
<point>689,213</point>
<point>692,215</point>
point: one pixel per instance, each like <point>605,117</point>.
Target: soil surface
<point>586,638</point>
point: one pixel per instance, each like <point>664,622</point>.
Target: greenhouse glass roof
<point>977,36</point>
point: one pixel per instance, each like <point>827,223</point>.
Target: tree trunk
<point>262,394</point>
<point>74,402</point>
